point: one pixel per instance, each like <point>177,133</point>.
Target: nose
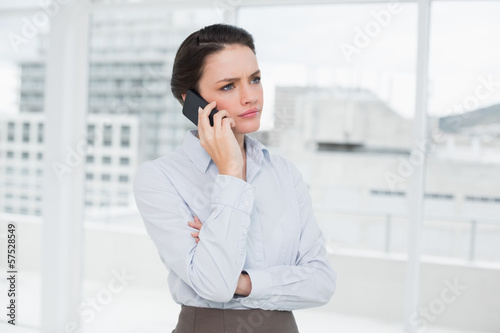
<point>247,94</point>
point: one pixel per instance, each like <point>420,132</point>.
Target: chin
<point>249,128</point>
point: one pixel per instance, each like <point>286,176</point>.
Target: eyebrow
<point>237,78</point>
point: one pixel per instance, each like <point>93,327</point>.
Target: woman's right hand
<point>219,141</point>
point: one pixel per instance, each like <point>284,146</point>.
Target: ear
<point>184,97</point>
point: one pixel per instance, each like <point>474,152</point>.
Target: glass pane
<point>339,86</point>
<point>338,98</point>
<point>464,108</point>
<point>21,121</point>
<point>132,118</point>
<point>22,163</point>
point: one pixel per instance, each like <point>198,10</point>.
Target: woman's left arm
<point>311,282</point>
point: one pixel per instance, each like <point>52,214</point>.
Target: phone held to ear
<point>194,101</point>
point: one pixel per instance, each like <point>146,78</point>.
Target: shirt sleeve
<point>211,267</point>
<point>311,282</point>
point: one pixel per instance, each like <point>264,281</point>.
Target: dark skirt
<point>206,320</point>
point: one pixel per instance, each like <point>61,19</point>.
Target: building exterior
<point>21,163</point>
<point>129,90</point>
<point>32,86</point>
<point>129,73</point>
<point>357,155</point>
<point>110,163</point>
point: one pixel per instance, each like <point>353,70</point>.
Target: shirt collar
<point>255,150</point>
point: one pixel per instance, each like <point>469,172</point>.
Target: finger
<point>195,225</point>
<point>228,122</point>
<point>203,121</point>
<point>197,240</point>
<point>195,234</point>
<point>218,120</point>
<point>196,219</point>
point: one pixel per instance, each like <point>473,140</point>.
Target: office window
<point>125,130</point>
<point>341,99</point>
<point>11,128</point>
<point>464,109</point>
<point>125,136</point>
<point>90,134</point>
<point>124,161</point>
<point>26,132</point>
<point>328,88</point>
<point>40,133</point>
<point>107,135</point>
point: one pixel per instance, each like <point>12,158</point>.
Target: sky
<point>302,45</point>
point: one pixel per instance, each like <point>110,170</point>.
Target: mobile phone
<point>192,102</point>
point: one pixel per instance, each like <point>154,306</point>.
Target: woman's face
<point>231,77</point>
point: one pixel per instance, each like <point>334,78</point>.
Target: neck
<point>241,141</point>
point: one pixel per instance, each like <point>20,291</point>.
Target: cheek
<point>260,92</point>
<point>228,105</point>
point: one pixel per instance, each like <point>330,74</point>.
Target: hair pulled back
<point>192,53</point>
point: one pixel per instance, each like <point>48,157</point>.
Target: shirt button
<point>249,192</point>
<point>245,231</point>
<point>245,203</point>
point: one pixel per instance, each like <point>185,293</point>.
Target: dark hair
<point>190,58</point>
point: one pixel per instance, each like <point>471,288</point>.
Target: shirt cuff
<point>261,283</point>
<point>234,192</point>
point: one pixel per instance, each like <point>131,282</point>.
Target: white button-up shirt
<point>264,226</point>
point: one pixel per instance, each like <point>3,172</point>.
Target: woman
<point>232,222</point>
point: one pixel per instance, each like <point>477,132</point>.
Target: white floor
<point>151,311</point>
<point>143,310</point>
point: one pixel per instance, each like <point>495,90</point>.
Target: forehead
<point>233,61</point>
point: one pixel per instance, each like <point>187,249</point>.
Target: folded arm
<point>213,266</point>
<point>311,281</point>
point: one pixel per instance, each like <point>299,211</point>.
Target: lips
<point>249,112</point>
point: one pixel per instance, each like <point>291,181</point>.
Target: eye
<point>256,79</point>
<point>228,87</point>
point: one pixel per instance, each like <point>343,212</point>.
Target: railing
<point>389,216</point>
